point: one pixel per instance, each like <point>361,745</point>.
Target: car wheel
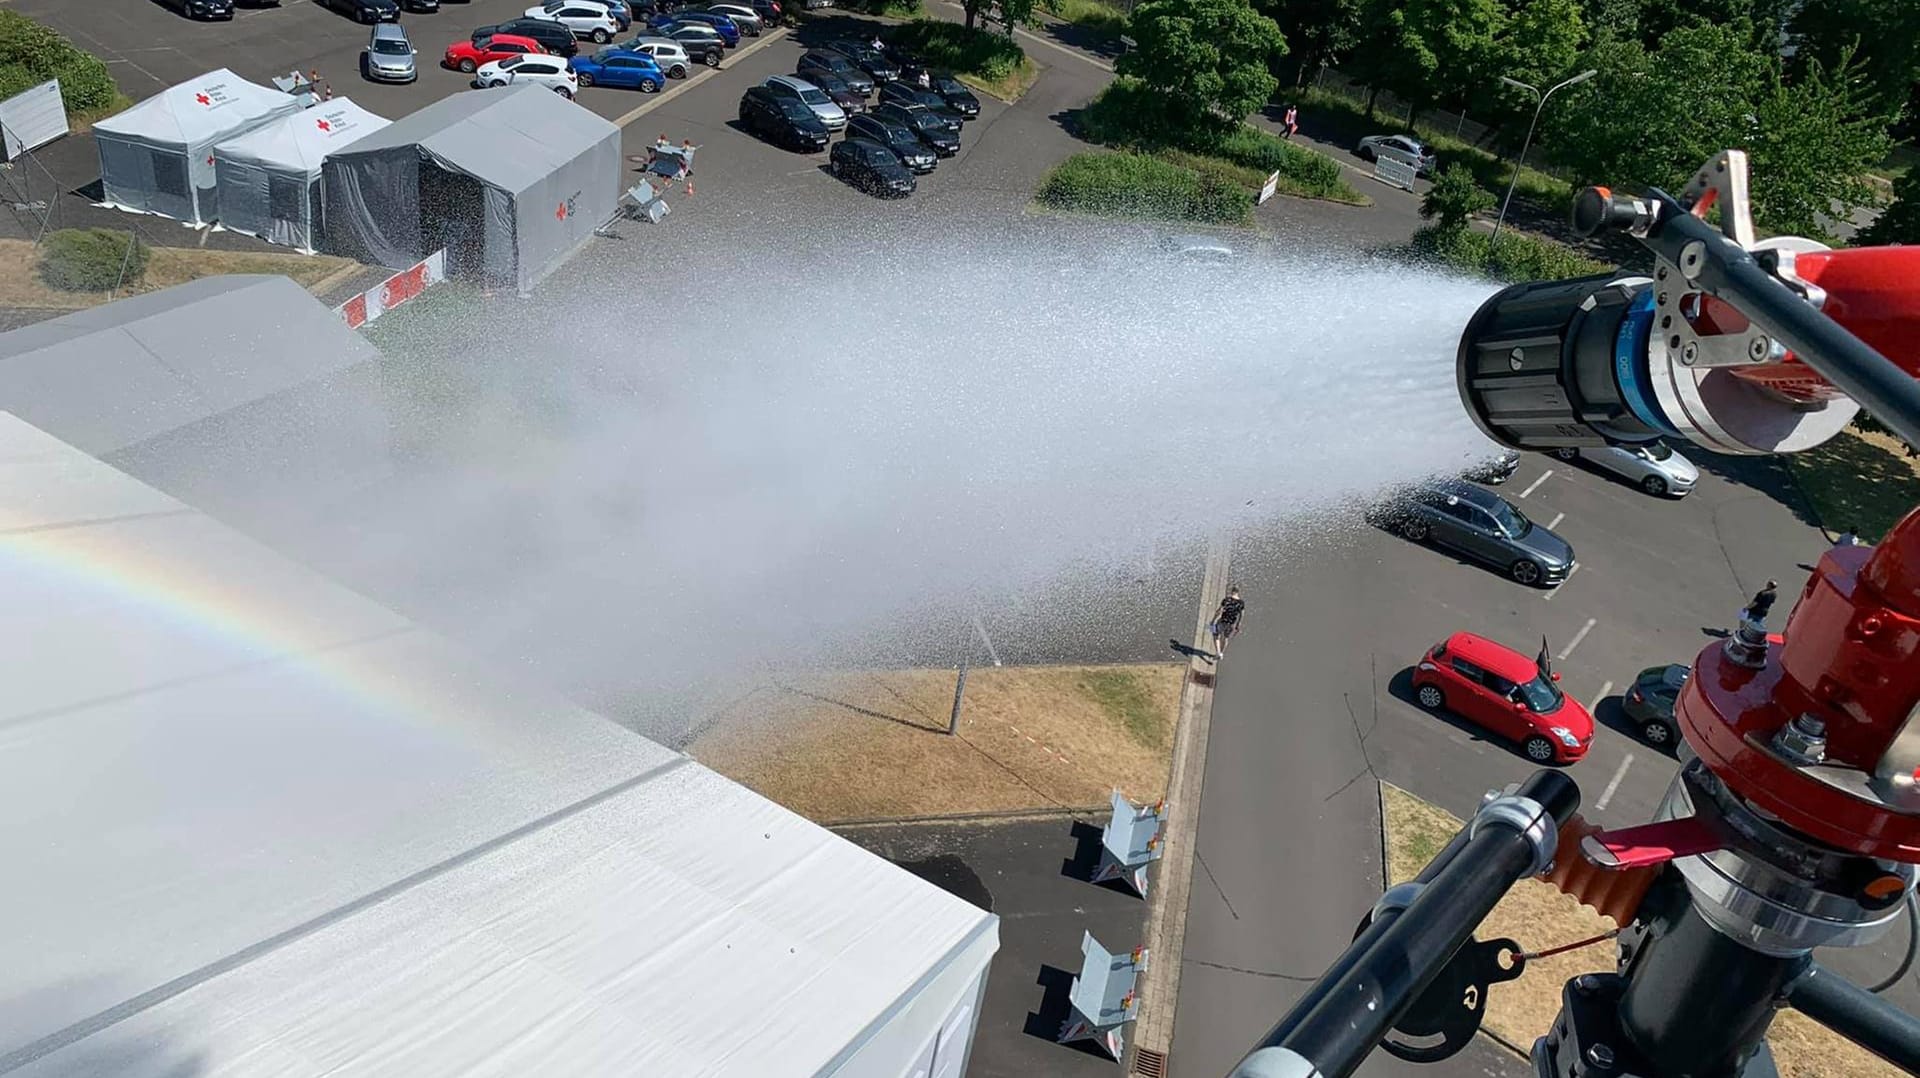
<point>1364,153</point>
<point>1566,453</point>
<point>1431,697</point>
<point>1414,529</point>
<point>648,86</point>
<point>1657,733</point>
<point>1526,572</point>
<point>601,37</point>
<point>468,67</point>
<point>713,59</point>
<point>585,79</point>
<point>563,92</point>
<point>1654,485</point>
<point>677,71</point>
<point>1538,749</point>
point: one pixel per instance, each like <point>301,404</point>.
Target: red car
<point>1506,692</point>
<point>467,56</point>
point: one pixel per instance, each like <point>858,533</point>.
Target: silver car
<point>1402,148</point>
<point>799,89</point>
<point>388,56</point>
<point>1653,466</point>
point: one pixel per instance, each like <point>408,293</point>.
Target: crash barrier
<point>1392,171</point>
<point>395,290</point>
<point>1129,843</point>
<point>1103,997</point>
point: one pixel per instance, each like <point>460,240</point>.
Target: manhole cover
<point>1148,1063</point>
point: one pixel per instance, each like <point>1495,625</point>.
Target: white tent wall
<point>157,157</point>
<point>561,211</point>
<point>269,176</point>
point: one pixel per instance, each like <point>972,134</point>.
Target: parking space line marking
<point>1549,596</point>
<point>1535,485</point>
<point>1619,773</point>
<point>1605,688</point>
<point>654,101</point>
<point>1557,518</point>
<point>1577,637</point>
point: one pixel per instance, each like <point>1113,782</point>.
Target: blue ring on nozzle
<point>1630,371</point>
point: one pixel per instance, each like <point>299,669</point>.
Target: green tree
<point>1380,58</point>
<point>1881,36</point>
<point>1899,222</point>
<point>1454,197</point>
<point>1456,40</point>
<point>1318,33</point>
<point>1814,139</point>
<point>1541,44</point>
<point>1208,59</point>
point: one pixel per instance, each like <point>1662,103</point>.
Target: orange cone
<point>689,186</point>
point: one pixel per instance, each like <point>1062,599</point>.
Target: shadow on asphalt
<point>1610,713</point>
<point>1400,687</point>
<point>1456,558</point>
<point>1768,475</point>
<point>1085,861</point>
<point>1044,1022</point>
<point>1105,46</point>
<point>954,876</point>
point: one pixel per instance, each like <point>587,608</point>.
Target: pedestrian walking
<point>1762,604</point>
<point>1226,620</point>
<point>1290,122</point>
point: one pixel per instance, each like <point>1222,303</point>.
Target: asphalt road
<point>1311,707</point>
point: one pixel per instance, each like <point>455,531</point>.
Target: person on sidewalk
<point>1226,620</point>
<point>1290,122</point>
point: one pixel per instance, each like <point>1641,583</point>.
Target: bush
<point>1135,185</point>
<point>1516,256</point>
<point>1095,15</point>
<point>1127,115</point>
<point>1454,197</point>
<point>893,9</point>
<point>963,50</point>
<point>90,259</point>
<point>31,54</point>
<point>1312,173</point>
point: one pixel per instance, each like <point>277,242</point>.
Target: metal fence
<point>1456,124</point>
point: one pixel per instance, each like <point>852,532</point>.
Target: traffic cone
<point>689,186</point>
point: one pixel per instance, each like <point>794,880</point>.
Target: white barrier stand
<point>1272,185</point>
<point>1103,997</point>
<point>1397,173</point>
<point>1129,843</point>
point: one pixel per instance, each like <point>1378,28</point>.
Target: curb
<point>1166,930</point>
<point>1071,812</point>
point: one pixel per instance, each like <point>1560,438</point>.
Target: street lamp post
<point>1537,109</point>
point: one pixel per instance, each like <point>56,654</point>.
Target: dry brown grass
<point>21,286</point>
<point>1538,915</point>
<point>872,744</point>
<point>1863,479</point>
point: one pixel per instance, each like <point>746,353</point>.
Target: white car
<point>549,71</point>
<point>747,19</point>
<point>585,19</point>
<point>666,52</point>
<point>1400,148</point>
<point>1653,466</point>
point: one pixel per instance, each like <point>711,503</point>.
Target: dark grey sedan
<point>1650,699</point>
<point>1479,524</point>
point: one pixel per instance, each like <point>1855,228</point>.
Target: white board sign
<point>1398,173</point>
<point>32,118</point>
<point>1272,185</point>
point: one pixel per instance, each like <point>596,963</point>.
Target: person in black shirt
<point>1226,620</point>
<point>1762,603</point>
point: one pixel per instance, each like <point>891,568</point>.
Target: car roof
<point>649,39</point>
<point>608,54</point>
<point>517,39</point>
<point>1465,491</point>
<point>1492,656</point>
<point>791,81</point>
<point>390,29</point>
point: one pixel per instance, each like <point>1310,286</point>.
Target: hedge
<point>1516,256</point>
<point>1135,185</point>
<point>964,51</point>
<point>90,259</point>
<point>30,54</point>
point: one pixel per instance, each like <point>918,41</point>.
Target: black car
<point>1495,470</point>
<point>703,47</point>
<point>900,93</point>
<point>552,36</point>
<point>365,10</point>
<point>904,143</point>
<point>202,9</point>
<point>867,58</point>
<point>783,120</point>
<point>769,11</point>
<point>834,64</point>
<point>870,167</point>
<point>958,97</point>
<point>1650,699</point>
<point>423,7</point>
<point>836,88</point>
<point>921,121</point>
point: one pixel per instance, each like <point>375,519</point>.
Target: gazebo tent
<point>270,176</point>
<point>157,157</point>
<point>509,181</point>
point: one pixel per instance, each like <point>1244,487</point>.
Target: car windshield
<point>794,110</point>
<point>1540,695</point>
<point>390,46</point>
<point>814,97</point>
<point>1674,676</point>
<point>510,63</point>
<point>1511,522</point>
<point>949,86</point>
<point>1657,451</point>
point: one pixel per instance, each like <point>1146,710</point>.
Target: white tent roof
<point>297,143</point>
<point>197,110</point>
<point>261,825</point>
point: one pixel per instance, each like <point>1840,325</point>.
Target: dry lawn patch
<point>21,286</point>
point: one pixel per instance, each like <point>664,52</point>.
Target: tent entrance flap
<point>447,220</point>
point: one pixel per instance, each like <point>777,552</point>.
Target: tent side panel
<point>244,200</point>
<point>560,212</point>
<point>372,205</point>
<point>139,174</point>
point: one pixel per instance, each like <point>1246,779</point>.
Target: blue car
<point>728,30</point>
<point>620,68</point>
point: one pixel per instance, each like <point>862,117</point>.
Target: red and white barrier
<point>395,290</point>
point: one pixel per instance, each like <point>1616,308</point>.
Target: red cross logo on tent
<point>323,125</point>
<point>203,99</point>
<point>209,160</point>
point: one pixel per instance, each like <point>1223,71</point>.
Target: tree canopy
<point>1208,59</point>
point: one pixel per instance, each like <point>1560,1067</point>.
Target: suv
<point>702,43</point>
<point>585,19</point>
<point>797,89</point>
<point>904,143</point>
<point>551,36</point>
<point>365,10</point>
<point>901,93</point>
<point>867,58</point>
<point>1483,526</point>
<point>388,56</point>
<point>870,167</point>
<point>782,119</point>
<point>810,62</point>
<point>921,121</point>
<point>203,9</point>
